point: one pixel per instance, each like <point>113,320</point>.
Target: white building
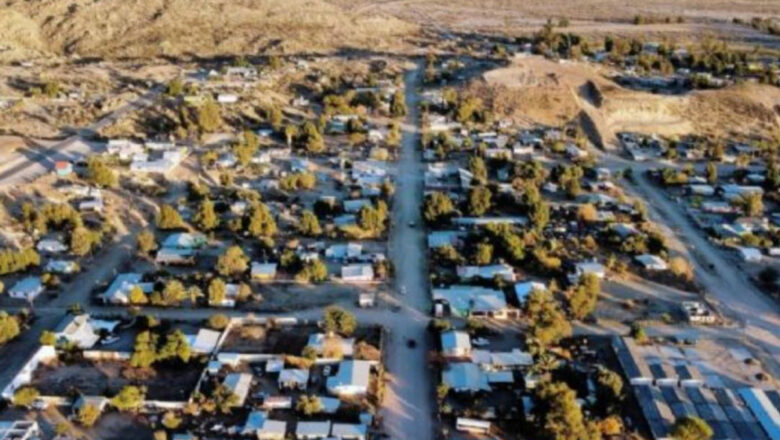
<point>352,379</point>
<point>27,289</point>
<point>355,273</point>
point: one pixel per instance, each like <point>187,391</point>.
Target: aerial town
<point>380,219</point>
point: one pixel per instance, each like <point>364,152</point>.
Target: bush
<point>218,321</point>
<point>25,396</point>
<point>130,398</point>
<point>9,327</point>
<point>88,415</point>
<point>338,320</point>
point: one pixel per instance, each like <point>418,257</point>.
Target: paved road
<point>38,158</point>
<point>408,406</point>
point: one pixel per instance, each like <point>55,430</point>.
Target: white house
<point>118,291</point>
<point>239,384</point>
<point>490,272</point>
<point>51,245</point>
<point>651,262</point>
<point>77,330</point>
<point>355,273</point>
<point>352,379</point>
<point>455,343</point>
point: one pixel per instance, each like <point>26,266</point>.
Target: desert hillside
<point>535,90</point>
<point>122,28</point>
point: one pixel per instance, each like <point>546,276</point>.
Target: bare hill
<point>139,28</point>
<point>535,90</point>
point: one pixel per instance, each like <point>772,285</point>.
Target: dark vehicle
<point>411,343</point>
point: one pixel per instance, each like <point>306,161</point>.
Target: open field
<point>588,17</point>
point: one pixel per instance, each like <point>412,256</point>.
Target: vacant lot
<point>107,378</point>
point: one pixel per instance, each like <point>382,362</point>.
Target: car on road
<point>109,340</point>
<point>411,343</point>
<point>412,224</point>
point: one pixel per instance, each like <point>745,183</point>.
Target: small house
<point>263,271</point>
<point>456,344</point>
<point>352,379</point>
<point>27,289</point>
<point>312,430</point>
<point>356,273</point>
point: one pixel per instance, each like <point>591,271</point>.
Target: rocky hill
<point>142,28</point>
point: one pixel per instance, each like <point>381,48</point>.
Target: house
<point>292,378</point>
<point>502,360</point>
<point>175,256</point>
<point>184,240</point>
<point>490,272</point>
<point>355,273</point>
<point>354,206</point>
<point>465,301</point>
<point>352,379</point>
<point>226,98</point>
<point>437,239</point>
<point>701,190</point>
<point>750,254</point>
<point>312,430</point>
<point>349,431</point>
<point>118,291</point>
<point>343,251</point>
<point>19,430</point>
<point>522,290</point>
<point>259,426</point>
<point>324,344</point>
<point>204,342</point>
<point>27,289</point>
<point>456,344</point>
<point>465,377</point>
<point>239,384</point>
<point>77,330</point>
<point>587,267</point>
<point>61,266</point>
<point>51,246</point>
<point>263,271</point>
<point>473,426</point>
<point>651,262</point>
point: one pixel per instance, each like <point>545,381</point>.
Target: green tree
<point>9,327</point>
<point>130,398</point>
<point>145,242</point>
<point>217,291</point>
<point>750,203</point>
<point>208,116</point>
<point>610,389</point>
<point>309,224</point>
<point>15,261</point>
<point>562,418</point>
<point>205,217</point>
<point>479,201</point>
<point>145,350</point>
<point>224,399</point>
<point>372,219</point>
<point>48,338</point>
<point>87,415</point>
<point>25,396</point>
<point>398,104</point>
<point>483,254</point>
<point>712,173</point>
<point>83,240</point>
<point>137,296</point>
<point>169,218</point>
<point>478,169</point>
<point>314,271</point>
<point>583,298</point>
<point>100,174</point>
<point>547,324</point>
<point>638,333</point>
<point>438,207</point>
<point>170,420</point>
<point>260,222</point>
<point>691,428</point>
<point>232,262</point>
<point>174,88</point>
<point>339,320</point>
<point>309,405</point>
<point>218,321</point>
<point>176,346</point>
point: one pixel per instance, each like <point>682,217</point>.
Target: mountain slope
<point>141,28</point>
